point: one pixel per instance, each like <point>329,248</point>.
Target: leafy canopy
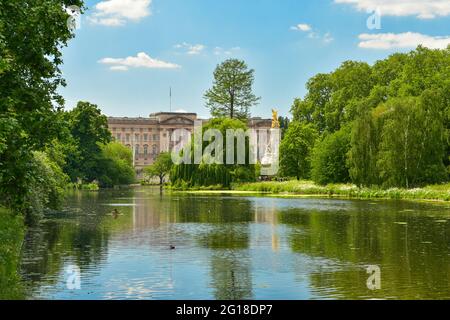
<point>231,95</point>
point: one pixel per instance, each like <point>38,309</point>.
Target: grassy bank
<point>12,231</point>
<point>435,192</point>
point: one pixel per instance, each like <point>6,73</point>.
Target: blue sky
<point>128,53</point>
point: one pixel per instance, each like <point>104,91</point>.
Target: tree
<point>89,129</point>
<point>296,149</point>
<point>412,146</point>
<point>217,174</point>
<point>116,165</point>
<point>363,155</point>
<point>332,99</point>
<point>161,167</point>
<point>231,95</point>
<point>399,112</point>
<point>329,158</point>
<point>32,34</point>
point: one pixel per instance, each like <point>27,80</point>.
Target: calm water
<point>234,247</point>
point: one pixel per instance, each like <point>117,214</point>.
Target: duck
<point>172,247</point>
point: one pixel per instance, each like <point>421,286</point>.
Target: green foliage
<point>231,95</point>
<point>329,158</point>
<point>116,163</point>
<point>32,34</point>
<point>90,186</point>
<point>186,176</point>
<point>284,125</point>
<point>332,98</point>
<point>398,110</point>
<point>363,155</point>
<point>412,145</point>
<point>296,149</point>
<point>205,175</point>
<point>89,129</point>
<point>161,167</point>
<point>46,186</point>
<point>12,231</point>
<point>308,188</point>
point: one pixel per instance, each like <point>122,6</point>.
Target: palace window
<point>145,137</point>
<point>128,137</point>
<point>145,150</point>
<point>154,150</point>
<point>136,150</point>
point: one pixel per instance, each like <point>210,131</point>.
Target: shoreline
<point>307,189</point>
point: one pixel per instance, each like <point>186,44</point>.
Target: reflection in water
<point>237,248</point>
<point>410,245</point>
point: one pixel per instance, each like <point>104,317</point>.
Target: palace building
<point>148,137</point>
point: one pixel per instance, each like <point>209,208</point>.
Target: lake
<point>179,246</point>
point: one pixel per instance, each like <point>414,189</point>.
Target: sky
<point>127,54</point>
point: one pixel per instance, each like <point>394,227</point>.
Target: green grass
<point>12,232</point>
<point>435,192</point>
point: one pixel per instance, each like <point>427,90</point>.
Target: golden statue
<point>275,122</point>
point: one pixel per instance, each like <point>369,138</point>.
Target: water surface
<point>237,247</point>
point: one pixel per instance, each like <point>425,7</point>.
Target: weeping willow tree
<point>218,174</point>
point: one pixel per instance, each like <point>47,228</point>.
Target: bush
<point>46,187</point>
<point>117,165</point>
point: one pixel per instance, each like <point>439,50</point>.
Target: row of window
<point>137,149</point>
<point>137,137</point>
<point>133,129</point>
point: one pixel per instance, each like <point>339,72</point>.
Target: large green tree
<point>412,145</point>
<point>232,94</point>
<point>332,99</point>
<point>220,172</point>
<point>32,34</point>
<point>89,128</point>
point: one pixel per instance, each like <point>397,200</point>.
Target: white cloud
<point>119,68</point>
<point>218,51</point>
<point>302,27</point>
<point>191,49</point>
<point>142,60</point>
<point>384,41</point>
<point>423,9</point>
<point>115,13</point>
<point>313,34</point>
